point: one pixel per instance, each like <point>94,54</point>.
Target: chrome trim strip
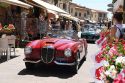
<point>69,64</point>
<point>31,61</point>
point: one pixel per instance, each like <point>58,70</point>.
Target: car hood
<point>57,43</point>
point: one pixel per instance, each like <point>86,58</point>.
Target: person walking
<point>116,31</point>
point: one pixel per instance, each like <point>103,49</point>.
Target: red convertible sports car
<point>60,48</point>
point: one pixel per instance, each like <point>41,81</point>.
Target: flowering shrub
<point>112,57</point>
<point>103,38</point>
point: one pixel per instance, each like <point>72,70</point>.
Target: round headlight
<point>27,50</point>
<point>68,52</point>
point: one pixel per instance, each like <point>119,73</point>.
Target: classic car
<point>58,48</point>
<point>90,34</point>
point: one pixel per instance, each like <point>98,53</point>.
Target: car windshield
<point>68,34</point>
<point>91,29</point>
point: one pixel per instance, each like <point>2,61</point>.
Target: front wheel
<point>75,67</point>
<point>84,58</point>
<point>29,66</point>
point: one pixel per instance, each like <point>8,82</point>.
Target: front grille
<point>48,54</point>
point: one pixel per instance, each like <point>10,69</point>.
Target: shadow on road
<point>4,58</point>
<point>49,71</point>
<point>91,42</point>
<point>62,72</point>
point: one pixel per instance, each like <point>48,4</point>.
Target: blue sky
<point>94,4</point>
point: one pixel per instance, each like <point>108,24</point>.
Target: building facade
<point>63,4</point>
<point>102,16</point>
<point>77,11</point>
<point>94,16</point>
<point>98,16</point>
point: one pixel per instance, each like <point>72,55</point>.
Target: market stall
<point>11,12</point>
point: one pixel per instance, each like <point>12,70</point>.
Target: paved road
<point>13,71</point>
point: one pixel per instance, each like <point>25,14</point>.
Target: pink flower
<point>99,40</point>
<point>124,46</point>
<point>98,72</point>
<point>98,57</point>
<point>119,79</point>
<point>123,71</point>
<point>113,51</point>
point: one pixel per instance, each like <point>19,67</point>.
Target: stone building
<point>63,4</point>
<point>78,11</point>
<point>98,16</point>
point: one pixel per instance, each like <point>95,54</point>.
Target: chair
<point>11,43</point>
<point>4,47</point>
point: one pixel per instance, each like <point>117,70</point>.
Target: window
<point>100,15</point>
<point>79,14</point>
<point>55,2</point>
<point>64,6</point>
<point>85,15</point>
<point>104,15</point>
<point>88,12</point>
<point>75,13</point>
<point>71,10</point>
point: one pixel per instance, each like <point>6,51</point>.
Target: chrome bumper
<point>57,63</point>
<point>31,61</point>
<point>68,64</point>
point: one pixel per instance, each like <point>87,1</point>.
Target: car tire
<point>29,66</point>
<point>84,58</point>
<point>75,67</point>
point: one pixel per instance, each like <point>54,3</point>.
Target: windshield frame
<point>63,34</point>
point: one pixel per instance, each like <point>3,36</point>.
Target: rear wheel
<point>29,66</point>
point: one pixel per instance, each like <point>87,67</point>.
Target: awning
<point>66,15</point>
<point>75,18</point>
<point>52,13</point>
<point>17,3</point>
<point>49,6</point>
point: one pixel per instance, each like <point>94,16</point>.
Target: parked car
<point>90,34</point>
<point>59,48</point>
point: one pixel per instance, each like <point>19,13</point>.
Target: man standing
<point>42,24</point>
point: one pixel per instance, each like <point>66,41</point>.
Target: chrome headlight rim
<point>28,50</point>
<point>68,52</point>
